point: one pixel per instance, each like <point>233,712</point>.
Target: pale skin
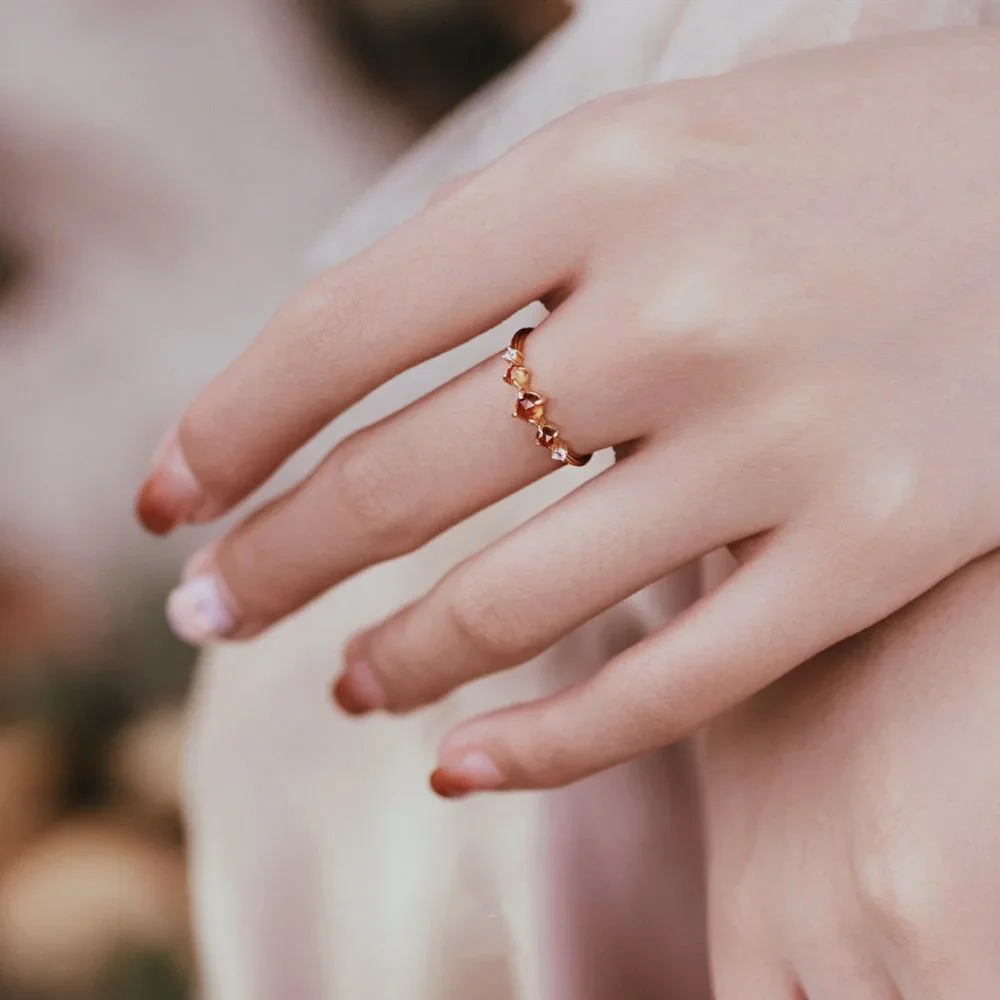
<point>775,293</point>
<point>853,817</point>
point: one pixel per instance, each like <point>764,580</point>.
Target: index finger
<point>458,268</point>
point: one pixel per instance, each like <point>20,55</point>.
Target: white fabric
<point>323,867</point>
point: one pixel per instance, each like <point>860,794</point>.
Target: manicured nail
<point>473,772</point>
<point>358,691</point>
<point>198,611</point>
<point>171,494</point>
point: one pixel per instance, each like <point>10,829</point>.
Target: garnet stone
<point>530,406</point>
<point>546,435</point>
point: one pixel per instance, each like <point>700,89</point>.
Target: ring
<point>530,405</point>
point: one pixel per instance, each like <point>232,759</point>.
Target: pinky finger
<point>778,610</point>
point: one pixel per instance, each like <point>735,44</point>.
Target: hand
<point>852,814</point>
<point>777,288</point>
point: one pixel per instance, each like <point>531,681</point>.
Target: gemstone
<point>560,453</point>
<point>517,376</point>
<point>546,435</point>
<point>530,406</point>
<point>513,355</point>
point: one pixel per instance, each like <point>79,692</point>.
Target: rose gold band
<point>530,405</point>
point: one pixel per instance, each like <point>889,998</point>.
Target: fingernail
<point>474,772</point>
<point>171,494</point>
<point>198,611</point>
<point>358,691</point>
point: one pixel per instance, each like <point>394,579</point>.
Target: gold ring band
<point>530,405</point>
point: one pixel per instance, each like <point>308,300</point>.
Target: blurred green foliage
<point>143,975</point>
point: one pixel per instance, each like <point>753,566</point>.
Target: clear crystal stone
<point>512,354</point>
<point>559,453</point>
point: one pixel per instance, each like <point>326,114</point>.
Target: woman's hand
<point>852,814</point>
<point>775,292</point>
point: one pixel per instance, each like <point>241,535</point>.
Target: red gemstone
<point>530,406</point>
<point>546,435</point>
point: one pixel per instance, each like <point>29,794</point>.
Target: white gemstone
<point>559,453</point>
<point>511,354</point>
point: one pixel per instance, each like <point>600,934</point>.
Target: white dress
<point>322,866</point>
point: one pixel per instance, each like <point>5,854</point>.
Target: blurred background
<point>164,167</point>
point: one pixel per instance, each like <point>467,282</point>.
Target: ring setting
<point>530,404</point>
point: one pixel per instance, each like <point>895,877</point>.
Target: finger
<point>754,979</point>
<point>389,489</point>
<point>746,963</point>
<point>778,610</point>
<point>458,268</point>
<point>569,564</point>
<point>951,952</point>
<point>833,954</point>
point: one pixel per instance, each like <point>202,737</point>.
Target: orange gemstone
<point>517,376</point>
<point>530,406</point>
<point>546,435</point>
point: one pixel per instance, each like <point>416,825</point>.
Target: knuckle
<point>689,319</point>
<point>878,520</point>
<point>615,140</point>
<point>678,134</point>
<point>410,655</point>
<point>890,492</point>
<point>329,317</point>
<point>306,327</point>
<point>682,311</point>
<point>710,344</point>
<point>490,629</point>
<point>373,491</point>
<point>901,889</point>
